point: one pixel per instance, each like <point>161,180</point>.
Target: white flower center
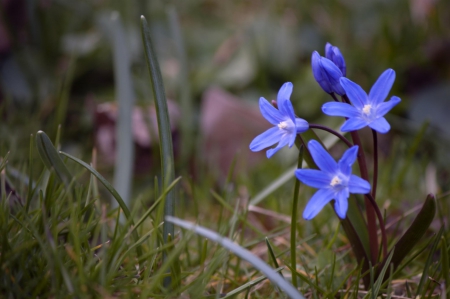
<point>335,181</point>
<point>283,125</point>
<point>366,109</point>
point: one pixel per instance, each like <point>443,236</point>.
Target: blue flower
<point>367,110</point>
<point>334,54</point>
<point>327,74</point>
<point>286,125</point>
<point>334,180</point>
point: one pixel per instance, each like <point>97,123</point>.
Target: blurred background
<point>76,63</point>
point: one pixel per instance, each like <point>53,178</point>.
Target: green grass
<point>60,236</point>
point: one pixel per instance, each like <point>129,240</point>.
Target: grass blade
<point>51,158</point>
<point>241,252</point>
<point>164,129</point>
<point>125,98</point>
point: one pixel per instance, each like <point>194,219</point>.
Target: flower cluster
<point>334,180</point>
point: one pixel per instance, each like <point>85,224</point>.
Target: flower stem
<point>370,210</point>
<point>381,221</point>
<point>335,133</point>
<point>294,222</point>
<point>375,164</point>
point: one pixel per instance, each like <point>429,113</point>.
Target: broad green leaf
<point>414,233</point>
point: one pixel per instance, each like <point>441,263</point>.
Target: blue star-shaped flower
<point>286,125</point>
<point>334,180</point>
<point>367,110</point>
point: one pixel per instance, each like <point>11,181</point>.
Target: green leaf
<point>51,158</point>
<point>164,129</point>
<point>415,232</point>
<point>241,252</point>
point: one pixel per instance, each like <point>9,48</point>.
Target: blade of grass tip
<point>294,220</point>
<point>164,129</point>
<point>248,285</point>
<point>3,186</point>
<point>125,98</point>
<point>429,262</point>
<point>58,138</point>
<point>272,255</point>
<point>274,260</point>
<point>230,208</point>
<point>155,204</point>
<point>184,88</point>
<point>4,161</point>
<point>63,93</point>
<point>243,253</point>
<point>51,158</point>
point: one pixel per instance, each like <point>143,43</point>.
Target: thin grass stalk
<point>125,98</point>
<point>165,133</point>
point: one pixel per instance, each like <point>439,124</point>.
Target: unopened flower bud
<point>334,54</point>
<point>327,74</point>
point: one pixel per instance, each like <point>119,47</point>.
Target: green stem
<point>370,211</point>
<point>294,222</point>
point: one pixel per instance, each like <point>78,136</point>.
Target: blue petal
<point>288,110</point>
<point>322,157</point>
<point>355,93</point>
<point>284,94</point>
<point>292,137</point>
<point>319,73</point>
<point>270,112</point>
<point>301,125</point>
<point>358,185</point>
<point>380,125</point>
<point>347,160</point>
<point>340,109</point>
<point>341,203</point>
<point>333,74</point>
<point>266,139</point>
<point>317,202</point>
<point>385,107</point>
<point>283,142</point>
<point>353,124</point>
<point>313,178</point>
<point>381,88</point>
